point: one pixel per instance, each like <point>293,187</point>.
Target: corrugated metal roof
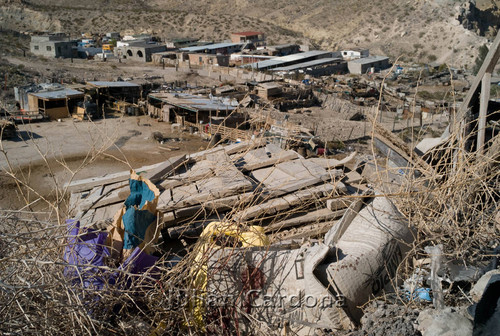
<point>194,103</point>
<point>299,56</point>
<point>58,94</point>
<point>265,64</point>
<point>113,84</point>
<point>303,65</point>
<point>289,58</point>
<point>210,47</point>
<point>369,59</point>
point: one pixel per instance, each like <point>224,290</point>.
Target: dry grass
<point>454,206</point>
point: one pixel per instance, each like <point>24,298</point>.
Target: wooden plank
<point>115,196</point>
<point>489,64</point>
<point>483,110</point>
<point>106,212</point>
<point>89,183</point>
<point>108,195</point>
<point>156,174</point>
<point>319,215</point>
<point>398,146</point>
<point>86,202</point>
<point>270,207</point>
<point>312,230</point>
<point>333,163</point>
<point>300,197</point>
<point>275,159</point>
<point>353,177</point>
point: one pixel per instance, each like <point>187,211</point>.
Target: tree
<point>483,51</point>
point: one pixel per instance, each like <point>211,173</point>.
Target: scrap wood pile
<point>254,239</point>
<point>253,183</point>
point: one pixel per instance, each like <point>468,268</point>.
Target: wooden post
<point>488,66</point>
<point>483,110</point>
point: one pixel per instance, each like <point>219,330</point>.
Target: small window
<point>36,47</point>
<point>49,48</point>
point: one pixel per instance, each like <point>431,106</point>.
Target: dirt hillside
<point>420,31</point>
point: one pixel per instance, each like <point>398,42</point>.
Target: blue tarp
<point>136,221</point>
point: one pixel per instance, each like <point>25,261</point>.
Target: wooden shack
<point>54,104</point>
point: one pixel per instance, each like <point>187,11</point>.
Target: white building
<point>353,54</point>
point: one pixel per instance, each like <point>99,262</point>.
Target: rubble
<point>381,319</point>
<point>446,322</point>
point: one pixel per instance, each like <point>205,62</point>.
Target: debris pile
<point>250,182</point>
<point>292,202</point>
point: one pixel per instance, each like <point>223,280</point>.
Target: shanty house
<point>208,59</point>
<point>282,49</point>
<point>267,90</point>
<point>189,108</point>
<point>316,68</point>
<point>165,57</point>
<point>217,48</point>
<point>257,38</point>
<point>55,104</point>
<point>52,45</point>
<point>371,63</point>
<point>108,94</point>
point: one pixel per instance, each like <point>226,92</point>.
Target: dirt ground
<point>47,155</point>
<point>81,70</point>
<point>28,70</point>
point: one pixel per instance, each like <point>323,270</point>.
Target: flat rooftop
<point>277,61</point>
<point>193,103</point>
<point>211,47</point>
<point>57,94</point>
<point>321,61</point>
<point>142,44</point>
<point>113,84</point>
<point>369,59</point>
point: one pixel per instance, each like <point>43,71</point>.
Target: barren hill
<point>422,30</point>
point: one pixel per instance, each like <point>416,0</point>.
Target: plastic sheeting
<point>127,243</point>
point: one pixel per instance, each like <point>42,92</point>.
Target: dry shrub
<point>454,206</point>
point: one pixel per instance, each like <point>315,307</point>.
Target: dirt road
<point>47,155</point>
